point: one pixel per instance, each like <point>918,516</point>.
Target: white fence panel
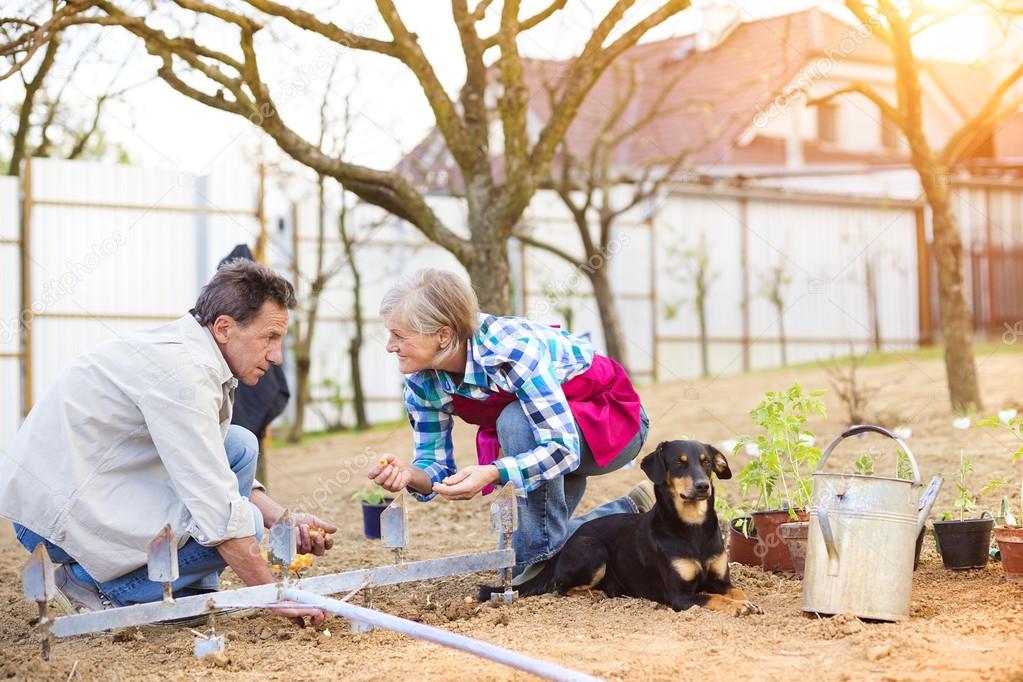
<point>10,267</point>
<point>117,248</point>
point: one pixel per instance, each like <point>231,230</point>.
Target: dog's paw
<point>747,608</point>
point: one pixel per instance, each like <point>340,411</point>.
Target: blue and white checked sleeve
<point>530,372</point>
<point>429,411</point>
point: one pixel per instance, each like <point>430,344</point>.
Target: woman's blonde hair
<point>429,300</point>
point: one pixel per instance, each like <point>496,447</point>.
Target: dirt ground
<point>964,625</point>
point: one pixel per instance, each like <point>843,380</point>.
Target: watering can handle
<point>864,428</point>
<point>829,540</point>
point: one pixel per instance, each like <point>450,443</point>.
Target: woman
<point>551,412</point>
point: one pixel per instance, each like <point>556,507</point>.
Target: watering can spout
<point>927,501</point>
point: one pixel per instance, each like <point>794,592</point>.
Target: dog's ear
<point>653,464</point>
<point>720,463</point>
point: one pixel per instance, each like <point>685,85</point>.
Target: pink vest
<point>602,400</point>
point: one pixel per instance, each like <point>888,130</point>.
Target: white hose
<point>498,654</point>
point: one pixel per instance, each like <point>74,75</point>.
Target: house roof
<point>716,95</point>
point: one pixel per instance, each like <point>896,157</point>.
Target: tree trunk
<point>614,339</point>
<point>490,273</point>
<point>355,347</point>
<point>956,320</point>
<point>301,393</point>
<point>781,336</point>
<point>701,316</point>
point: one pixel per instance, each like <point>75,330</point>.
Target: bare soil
<point>964,625</point>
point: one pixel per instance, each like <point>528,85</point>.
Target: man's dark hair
<point>239,289</point>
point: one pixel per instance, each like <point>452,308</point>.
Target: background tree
<point>229,77</point>
<point>897,24</point>
<point>694,271</point>
<point>772,287</point>
<point>55,118</point>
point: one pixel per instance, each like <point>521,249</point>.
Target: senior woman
<point>550,411</point>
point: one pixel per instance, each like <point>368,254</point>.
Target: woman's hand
<point>393,476</point>
<point>467,482</point>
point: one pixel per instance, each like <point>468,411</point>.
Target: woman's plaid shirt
<point>518,356</point>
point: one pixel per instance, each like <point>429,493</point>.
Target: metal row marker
<point>38,578</point>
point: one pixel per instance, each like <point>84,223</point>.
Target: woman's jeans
<point>199,566</point>
<point>545,517</point>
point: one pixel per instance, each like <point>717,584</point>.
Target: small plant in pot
<point>1009,531</point>
<point>780,473</point>
<point>741,534</point>
<point>374,502</point>
<point>964,543</point>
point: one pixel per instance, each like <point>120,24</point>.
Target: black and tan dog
<point>672,554</point>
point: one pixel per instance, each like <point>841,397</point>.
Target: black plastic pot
<point>963,544</point>
<point>371,518</point>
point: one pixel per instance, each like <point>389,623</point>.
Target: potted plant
<point>779,475</point>
<point>373,505</point>
<point>1008,532</point>
<point>964,543</point>
<point>741,534</point>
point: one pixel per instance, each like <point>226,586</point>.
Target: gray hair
<point>429,300</point>
<point>239,289</point>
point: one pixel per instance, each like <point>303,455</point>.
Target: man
<point>136,434</point>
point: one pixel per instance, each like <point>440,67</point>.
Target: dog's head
<point>684,468</point>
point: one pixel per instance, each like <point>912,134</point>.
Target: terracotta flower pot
<point>743,549</point>
<point>771,547</point>
<point>794,535</point>
<point>1010,544</point>
<point>963,544</point>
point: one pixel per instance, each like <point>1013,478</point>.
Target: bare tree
<point>896,24</point>
<point>229,78</point>
<point>695,272</point>
<point>305,328</point>
<point>772,287</point>
<point>49,123</point>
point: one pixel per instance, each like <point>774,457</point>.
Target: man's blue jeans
<point>199,566</point>
<point>545,516</point>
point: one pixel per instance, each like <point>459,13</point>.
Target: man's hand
<point>296,612</point>
<point>467,482</point>
<point>393,476</point>
<point>313,534</point>
<point>242,555</point>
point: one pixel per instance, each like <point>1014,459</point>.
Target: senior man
<point>136,433</point>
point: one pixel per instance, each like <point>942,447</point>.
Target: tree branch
<point>866,91</point>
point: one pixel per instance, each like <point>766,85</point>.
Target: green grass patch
<point>280,441</point>
<point>878,359</point>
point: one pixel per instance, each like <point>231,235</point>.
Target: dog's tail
<point>541,583</point>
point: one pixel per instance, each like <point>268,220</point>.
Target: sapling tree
<point>772,287</point>
<point>695,272</point>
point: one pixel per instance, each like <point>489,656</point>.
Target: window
<point>827,123</point>
<point>889,133</point>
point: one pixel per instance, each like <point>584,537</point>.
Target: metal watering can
<point>861,539</point>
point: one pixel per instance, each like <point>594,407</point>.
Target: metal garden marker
<point>37,585</point>
<point>163,562</point>
<point>394,528</point>
<point>504,520</point>
<point>283,544</point>
<point>209,644</point>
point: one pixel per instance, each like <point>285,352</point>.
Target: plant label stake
<point>504,520</point>
<point>283,544</point>
<point>37,585</point>
<point>163,561</point>
<point>359,626</point>
<point>394,528</point>
<point>209,644</point>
